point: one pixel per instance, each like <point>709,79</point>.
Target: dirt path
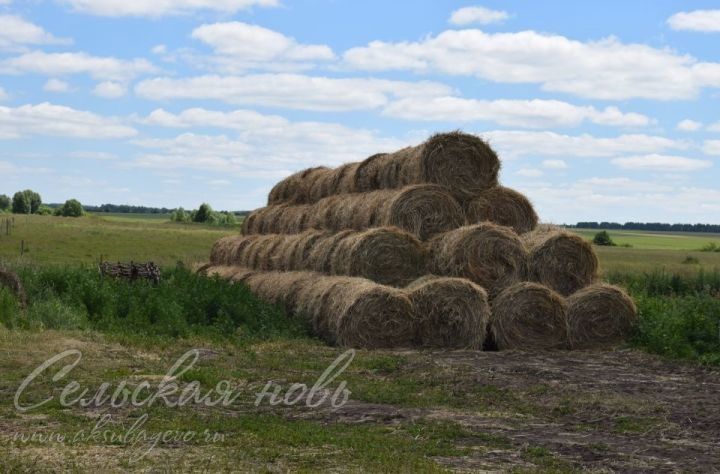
<point>617,411</point>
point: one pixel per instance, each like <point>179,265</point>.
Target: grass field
<point>409,410</point>
<point>58,240</point>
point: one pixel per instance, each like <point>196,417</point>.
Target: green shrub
<point>603,238</point>
<point>710,247</point>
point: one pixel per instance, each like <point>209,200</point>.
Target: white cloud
<point>688,125</point>
<point>480,15</point>
<point>15,32</point>
<point>714,127</point>
<point>657,162</point>
<point>288,90</point>
<point>159,49</point>
<point>529,172</point>
<point>3,94</point>
<point>535,113</point>
<point>93,155</point>
<point>157,8</point>
<point>605,69</point>
<point>110,90</point>
<point>554,164</point>
<point>62,64</point>
<point>241,46</point>
<point>56,85</point>
<point>60,121</point>
<point>711,147</point>
<point>698,20</point>
<point>512,144</point>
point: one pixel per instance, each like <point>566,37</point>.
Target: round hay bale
<point>451,313</point>
<point>367,173</point>
<point>320,257</point>
<point>560,260</point>
<point>249,224</point>
<point>370,316</point>
<point>422,210</point>
<point>385,255</point>
<point>599,315</point>
<point>232,273</point>
<point>502,206</point>
<point>223,250</point>
<point>491,256</point>
<point>345,183</point>
<point>298,255</point>
<point>529,316</point>
<point>296,188</point>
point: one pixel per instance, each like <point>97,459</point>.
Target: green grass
<point>655,240</point>
<point>58,240</point>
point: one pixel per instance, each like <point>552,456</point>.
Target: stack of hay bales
<point>423,247</point>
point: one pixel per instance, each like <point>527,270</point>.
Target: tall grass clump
<point>182,305</point>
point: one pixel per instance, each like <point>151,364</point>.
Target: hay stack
<point>346,311</point>
<point>529,316</point>
<point>489,255</point>
<point>463,163</point>
<point>452,312</point>
<point>422,210</point>
<point>231,273</point>
<point>385,255</point>
<point>560,260</point>
<point>598,315</point>
<point>502,206</point>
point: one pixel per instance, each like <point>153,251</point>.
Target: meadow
<point>411,411</point>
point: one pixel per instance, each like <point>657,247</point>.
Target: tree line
<point>30,202</point>
<point>651,226</point>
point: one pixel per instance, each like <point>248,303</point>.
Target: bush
<point>710,247</point>
<point>45,210</point>
<point>183,304</point>
<point>71,208</point>
<point>603,238</point>
<point>179,215</point>
<point>203,214</point>
<point>691,260</point>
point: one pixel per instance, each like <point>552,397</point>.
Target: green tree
<point>204,213</point>
<point>5,202</point>
<point>179,215</point>
<point>72,208</point>
<point>603,238</point>
<point>34,199</point>
<point>20,203</point>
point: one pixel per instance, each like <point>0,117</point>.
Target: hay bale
<point>223,250</point>
<point>502,206</point>
<point>463,163</point>
<point>599,315</point>
<point>320,257</point>
<point>529,316</point>
<point>385,255</point>
<point>451,312</point>
<point>345,311</point>
<point>11,281</point>
<point>296,188</point>
<point>487,254</point>
<point>422,210</point>
<point>560,260</point>
<point>230,272</point>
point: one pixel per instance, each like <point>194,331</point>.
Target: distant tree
<point>34,199</point>
<point>179,215</point>
<point>204,213</point>
<point>72,208</point>
<point>20,203</point>
<point>5,202</point>
<point>603,238</point>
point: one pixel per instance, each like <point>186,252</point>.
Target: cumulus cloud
<point>605,69</point>
<point>657,162</point>
<point>554,164</point>
<point>110,90</point>
<point>240,46</point>
<point>688,125</point>
<point>59,121</point>
<point>699,20</point>
<point>56,85</point>
<point>522,113</point>
<point>62,64</point>
<point>714,127</point>
<point>711,147</point>
<point>288,90</point>
<point>514,143</point>
<point>16,32</point>
<point>479,15</point>
<point>529,172</point>
<point>158,8</point>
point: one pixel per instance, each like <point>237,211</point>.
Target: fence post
<point>22,248</point>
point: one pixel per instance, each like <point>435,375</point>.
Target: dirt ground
<point>606,411</point>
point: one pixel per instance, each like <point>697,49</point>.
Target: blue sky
<point>600,111</point>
